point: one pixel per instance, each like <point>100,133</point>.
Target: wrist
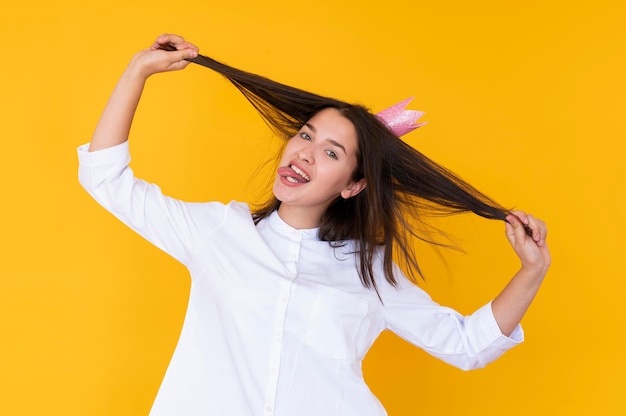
<point>137,71</point>
<point>534,272</point>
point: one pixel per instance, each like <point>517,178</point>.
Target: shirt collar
<point>283,228</point>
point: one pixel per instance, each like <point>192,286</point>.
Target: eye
<point>332,154</point>
<point>305,136</point>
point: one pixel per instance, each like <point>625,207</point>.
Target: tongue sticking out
<point>291,176</point>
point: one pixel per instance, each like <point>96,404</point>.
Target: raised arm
<point>114,124</point>
<point>511,304</point>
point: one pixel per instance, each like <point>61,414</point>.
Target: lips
<point>293,174</point>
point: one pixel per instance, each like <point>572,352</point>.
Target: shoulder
<point>238,211</point>
<point>238,208</point>
<point>233,209</point>
<point>212,216</point>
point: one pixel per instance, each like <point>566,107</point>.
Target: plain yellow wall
<point>524,99</point>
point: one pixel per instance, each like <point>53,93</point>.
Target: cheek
<point>289,149</point>
<point>340,178</point>
<point>351,171</point>
<point>290,144</point>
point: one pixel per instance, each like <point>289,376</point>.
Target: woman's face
<point>317,167</point>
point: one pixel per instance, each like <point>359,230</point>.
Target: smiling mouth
<point>300,173</point>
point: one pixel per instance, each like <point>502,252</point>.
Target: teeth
<point>290,179</point>
<point>300,172</point>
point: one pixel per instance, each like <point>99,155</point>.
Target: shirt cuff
<point>490,331</point>
<point>111,155</point>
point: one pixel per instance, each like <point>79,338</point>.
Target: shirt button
<point>268,409</point>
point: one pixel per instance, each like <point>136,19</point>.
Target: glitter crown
<point>399,120</point>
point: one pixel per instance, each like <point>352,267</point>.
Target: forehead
<point>330,124</point>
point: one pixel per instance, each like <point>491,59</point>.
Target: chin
<point>280,194</point>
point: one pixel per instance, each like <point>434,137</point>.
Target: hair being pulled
<point>402,184</point>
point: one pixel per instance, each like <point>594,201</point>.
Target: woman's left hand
<point>527,236</point>
<point>531,249</point>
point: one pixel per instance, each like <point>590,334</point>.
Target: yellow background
<point>524,99</point>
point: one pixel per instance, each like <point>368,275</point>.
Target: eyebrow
<point>331,141</point>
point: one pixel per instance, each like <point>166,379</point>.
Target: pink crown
<point>399,120</point>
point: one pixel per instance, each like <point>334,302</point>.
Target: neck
<point>300,218</point>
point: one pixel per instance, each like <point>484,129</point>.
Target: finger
<point>540,230</point>
<point>514,229</point>
<point>176,55</point>
<point>186,54</point>
<point>523,217</point>
<point>172,47</point>
<point>174,43</point>
<point>187,45</point>
<point>535,227</point>
<point>170,38</point>
<point>179,59</point>
<point>167,42</point>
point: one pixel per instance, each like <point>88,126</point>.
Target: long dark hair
<point>402,183</point>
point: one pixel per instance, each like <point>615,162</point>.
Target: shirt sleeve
<point>172,225</point>
<point>466,342</point>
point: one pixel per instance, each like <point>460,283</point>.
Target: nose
<point>305,154</point>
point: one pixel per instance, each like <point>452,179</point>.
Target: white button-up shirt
<point>278,321</point>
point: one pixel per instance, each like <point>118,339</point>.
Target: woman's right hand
<point>158,57</point>
<point>117,117</point>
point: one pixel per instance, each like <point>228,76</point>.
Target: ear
<point>354,189</point>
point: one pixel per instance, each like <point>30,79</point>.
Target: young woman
<point>286,301</point>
